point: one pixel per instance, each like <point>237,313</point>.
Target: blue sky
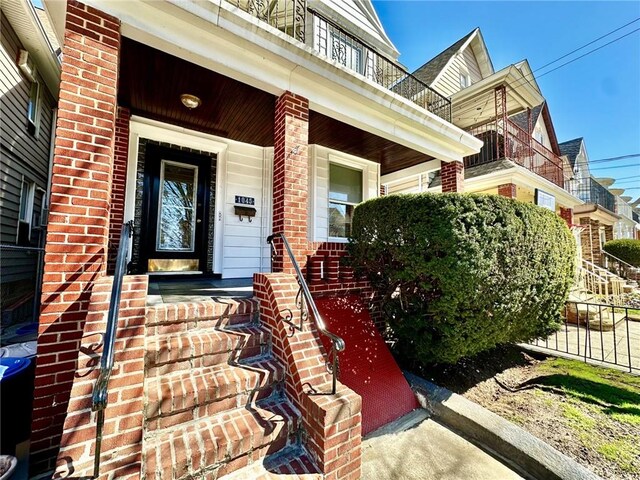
<point>596,97</point>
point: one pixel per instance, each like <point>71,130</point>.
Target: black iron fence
<point>597,333</point>
<point>590,191</point>
<point>329,39</point>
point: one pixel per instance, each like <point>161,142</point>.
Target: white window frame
<point>37,108</point>
<point>363,175</point>
<point>28,189</point>
<point>465,80</point>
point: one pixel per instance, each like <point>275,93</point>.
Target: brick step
<point>292,461</point>
<point>216,446</point>
<point>188,395</point>
<point>169,353</point>
<point>182,317</point>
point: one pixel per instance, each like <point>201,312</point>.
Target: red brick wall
<point>452,174</point>
<point>118,184</point>
<point>332,422</point>
<point>77,233</point>
<point>508,190</point>
<point>290,176</point>
<point>567,215</point>
<point>122,433</point>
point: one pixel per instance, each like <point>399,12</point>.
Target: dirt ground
<point>588,413</point>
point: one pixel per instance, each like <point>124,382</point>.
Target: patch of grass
<point>613,393</point>
<point>623,452</point>
<point>577,418</point>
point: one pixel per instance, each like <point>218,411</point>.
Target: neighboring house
<point>29,80</point>
<point>597,215</point>
<point>212,125</point>
<point>626,227</point>
<point>506,110</point>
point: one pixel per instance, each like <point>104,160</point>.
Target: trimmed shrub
<point>625,249</point>
<point>459,274</point>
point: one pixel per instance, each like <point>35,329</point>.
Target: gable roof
<point>571,148</point>
<point>521,119</point>
<point>359,18</point>
<point>428,72</point>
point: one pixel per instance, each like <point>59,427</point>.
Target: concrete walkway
<point>418,448</point>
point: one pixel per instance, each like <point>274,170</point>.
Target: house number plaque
<point>240,200</point>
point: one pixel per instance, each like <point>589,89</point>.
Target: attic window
<point>465,80</point>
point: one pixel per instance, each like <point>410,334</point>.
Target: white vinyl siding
<point>248,174</point>
<point>464,63</point>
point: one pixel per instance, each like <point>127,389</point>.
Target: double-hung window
<point>345,192</point>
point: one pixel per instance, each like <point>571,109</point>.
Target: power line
<point>586,44</point>
<point>611,159</point>
<point>589,52</point>
<point>616,166</point>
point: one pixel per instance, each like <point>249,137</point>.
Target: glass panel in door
<point>177,207</point>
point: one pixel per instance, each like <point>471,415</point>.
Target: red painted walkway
<point>367,366</point>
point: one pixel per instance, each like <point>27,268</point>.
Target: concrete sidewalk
<point>418,448</point>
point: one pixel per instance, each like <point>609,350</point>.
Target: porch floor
<point>197,290</point>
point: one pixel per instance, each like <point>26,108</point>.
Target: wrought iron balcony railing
<point>590,191</point>
<point>519,147</point>
<point>329,39</point>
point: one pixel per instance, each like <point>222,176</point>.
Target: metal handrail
<point>337,343</point>
<point>624,265</point>
<point>100,390</point>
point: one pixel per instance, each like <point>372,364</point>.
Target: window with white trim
<point>25,213</point>
<point>345,192</point>
<point>465,80</point>
<point>33,108</point>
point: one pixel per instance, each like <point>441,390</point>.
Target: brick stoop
<point>214,396</point>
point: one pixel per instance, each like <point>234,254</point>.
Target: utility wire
<point>604,167</point>
<point>611,159</point>
<point>588,53</point>
<point>586,45</point>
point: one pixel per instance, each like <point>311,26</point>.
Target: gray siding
<point>21,153</point>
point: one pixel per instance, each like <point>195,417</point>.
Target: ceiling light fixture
<point>190,101</point>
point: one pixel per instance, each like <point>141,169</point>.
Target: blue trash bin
<point>16,389</point>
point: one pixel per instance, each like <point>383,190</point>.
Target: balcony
<point>330,40</point>
<point>590,191</point>
<point>518,146</point>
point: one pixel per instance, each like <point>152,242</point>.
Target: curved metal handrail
<point>337,343</point>
<point>625,265</point>
<point>100,390</point>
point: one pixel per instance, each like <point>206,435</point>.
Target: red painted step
<point>367,366</point>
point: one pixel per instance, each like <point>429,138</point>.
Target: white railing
<point>601,282</point>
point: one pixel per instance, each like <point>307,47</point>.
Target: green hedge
<point>625,249</point>
<point>459,274</point>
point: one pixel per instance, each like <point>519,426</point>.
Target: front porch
<point>272,138</point>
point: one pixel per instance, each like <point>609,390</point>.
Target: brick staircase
<point>214,399</point>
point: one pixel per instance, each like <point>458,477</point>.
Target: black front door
<point>175,211</point>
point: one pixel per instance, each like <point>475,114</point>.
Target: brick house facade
<point>283,141</point>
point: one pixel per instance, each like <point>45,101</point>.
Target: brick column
<point>508,190</point>
<point>567,215</point>
<point>291,177</point>
<point>608,232</point>
<point>118,184</point>
<point>452,174</point>
<point>76,248</point>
